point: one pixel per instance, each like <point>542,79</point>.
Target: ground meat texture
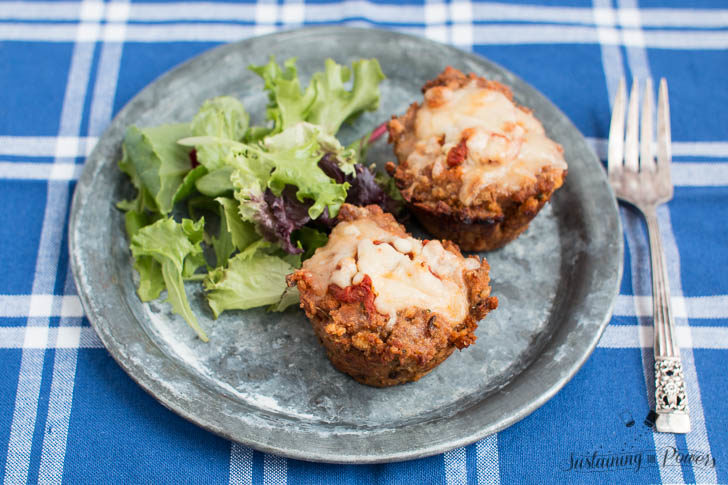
<point>374,348</point>
<point>493,214</point>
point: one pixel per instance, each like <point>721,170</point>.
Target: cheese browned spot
<point>490,140</point>
<point>404,272</point>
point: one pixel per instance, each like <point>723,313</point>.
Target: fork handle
<point>670,398</point>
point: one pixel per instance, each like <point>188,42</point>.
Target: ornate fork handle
<point>670,398</point>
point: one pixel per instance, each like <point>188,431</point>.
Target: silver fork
<point>638,180</point>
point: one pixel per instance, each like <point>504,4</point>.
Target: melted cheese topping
<point>505,145</point>
<point>404,272</point>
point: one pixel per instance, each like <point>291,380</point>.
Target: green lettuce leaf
<point>153,157</point>
<point>335,104</point>
<point>189,183</point>
<point>151,282</point>
<point>176,247</point>
<point>288,158</point>
<point>326,101</point>
<point>216,183</point>
<point>222,117</point>
<point>251,279</point>
<point>302,133</point>
<point>242,233</point>
<point>290,296</point>
<point>310,240</point>
<point>234,234</point>
<point>272,172</point>
<point>195,232</point>
<point>295,154</point>
<point>143,200</point>
<point>288,103</point>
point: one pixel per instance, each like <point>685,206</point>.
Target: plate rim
<point>159,392</point>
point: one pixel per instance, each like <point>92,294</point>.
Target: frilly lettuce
<point>326,101</point>
<point>251,279</point>
<point>222,117</point>
<point>334,104</point>
<point>156,162</point>
<point>260,185</point>
<point>176,248</point>
<point>288,103</point>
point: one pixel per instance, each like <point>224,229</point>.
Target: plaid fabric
<point>68,412</point>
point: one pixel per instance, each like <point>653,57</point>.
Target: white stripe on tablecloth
<point>46,146</point>
<point>293,13</point>
<point>695,307</point>
<point>456,470</point>
<point>683,307</point>
<point>710,149</point>
<point>568,34</point>
<point>66,337</point>
<point>700,149</point>
<point>461,28</point>
<point>266,16</point>
<point>634,42</point>
<point>435,21</point>
<point>541,13</point>
<point>49,146</point>
<point>555,34</point>
<point>31,367</point>
<point>40,10</point>
<point>241,464</point>
<point>504,34</point>
<point>60,399</point>
<point>40,305</point>
<point>68,341</point>
<point>486,460</point>
<point>606,19</point>
<point>275,470</point>
<point>64,369</point>
<point>26,404</point>
<point>102,101</point>
<point>614,337</point>
<point>635,336</point>
<point>684,174</point>
<point>492,11</point>
<point>40,171</point>
<point>697,174</point>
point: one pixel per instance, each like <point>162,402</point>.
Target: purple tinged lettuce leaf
<point>364,188</point>
<point>281,216</point>
<point>330,166</point>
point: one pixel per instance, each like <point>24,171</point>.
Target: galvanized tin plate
<point>263,379</point>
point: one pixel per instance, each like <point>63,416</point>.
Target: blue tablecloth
<point>69,413</point>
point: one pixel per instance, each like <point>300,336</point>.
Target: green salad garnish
<point>238,207</point>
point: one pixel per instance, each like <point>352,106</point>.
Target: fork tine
<point>647,159</point>
<point>616,131</point>
<point>631,142</point>
<point>664,151</point>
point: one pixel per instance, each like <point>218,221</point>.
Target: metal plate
<point>263,379</point>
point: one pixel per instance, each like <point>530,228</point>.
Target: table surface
<point>69,413</point>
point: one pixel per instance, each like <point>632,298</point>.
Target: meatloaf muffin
<point>474,167</point>
<point>388,307</point>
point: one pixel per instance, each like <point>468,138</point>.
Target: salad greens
<point>258,198</point>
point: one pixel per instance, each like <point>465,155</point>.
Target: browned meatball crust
<point>375,348</point>
<point>493,214</point>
